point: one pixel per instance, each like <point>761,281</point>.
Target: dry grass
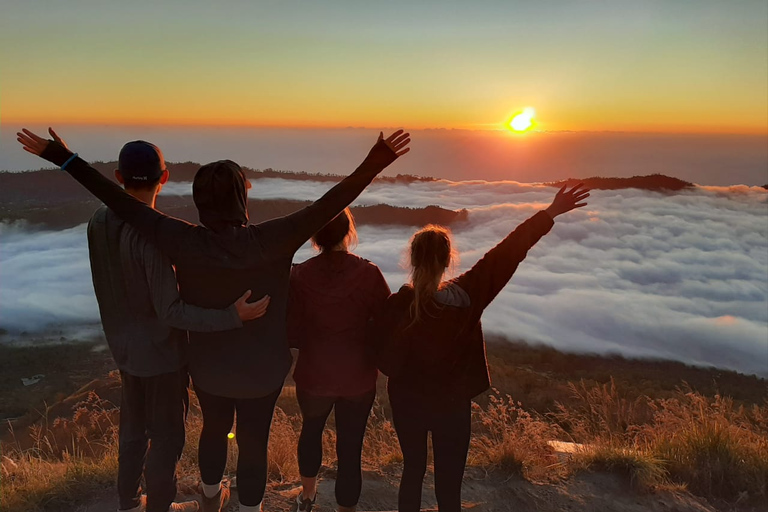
<point>69,459</point>
<point>644,471</point>
<point>512,440</point>
<point>380,446</point>
<point>716,449</point>
<point>601,413</point>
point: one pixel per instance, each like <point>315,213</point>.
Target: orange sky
<point>629,66</point>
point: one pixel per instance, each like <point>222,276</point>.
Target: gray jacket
<point>145,321</point>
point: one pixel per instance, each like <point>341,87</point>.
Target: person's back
<point>333,298</point>
<point>336,293</point>
<point>441,357</point>
<point>250,361</point>
<point>141,343</point>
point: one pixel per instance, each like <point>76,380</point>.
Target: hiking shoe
<point>141,507</point>
<point>184,506</point>
<point>305,504</point>
<point>218,502</point>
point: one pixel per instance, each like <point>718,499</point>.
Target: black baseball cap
<point>141,161</point>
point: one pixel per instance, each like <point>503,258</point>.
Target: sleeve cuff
<point>69,160</point>
<point>235,316</point>
<point>544,219</point>
<point>57,154</point>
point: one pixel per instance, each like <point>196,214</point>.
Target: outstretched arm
<point>290,232</point>
<point>494,270</point>
<point>164,231</point>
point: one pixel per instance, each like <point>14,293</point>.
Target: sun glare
<point>522,121</point>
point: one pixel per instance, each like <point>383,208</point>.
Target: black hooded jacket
<point>215,264</point>
<point>220,195</point>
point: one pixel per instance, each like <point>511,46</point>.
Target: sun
<point>522,121</point>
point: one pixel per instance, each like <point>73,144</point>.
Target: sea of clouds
<point>637,273</point>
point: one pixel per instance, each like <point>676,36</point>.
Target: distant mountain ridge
<point>50,199</point>
<point>653,182</point>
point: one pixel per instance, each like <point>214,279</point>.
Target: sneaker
<point>305,504</point>
<point>218,502</point>
<point>141,507</point>
<point>184,506</point>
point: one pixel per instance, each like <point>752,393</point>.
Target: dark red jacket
<point>332,298</point>
<point>443,355</point>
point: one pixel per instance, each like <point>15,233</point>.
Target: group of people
<point>157,277</point>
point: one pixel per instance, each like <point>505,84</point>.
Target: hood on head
<point>220,195</point>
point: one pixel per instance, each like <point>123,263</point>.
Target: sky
<point>706,159</point>
<point>683,66</point>
<point>643,274</point>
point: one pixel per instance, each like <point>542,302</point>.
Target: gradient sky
<point>668,65</point>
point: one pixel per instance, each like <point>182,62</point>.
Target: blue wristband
<point>65,164</point>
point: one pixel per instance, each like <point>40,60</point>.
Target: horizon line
<point>493,127</point>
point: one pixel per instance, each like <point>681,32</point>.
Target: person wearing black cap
<point>145,324</point>
<point>242,370</point>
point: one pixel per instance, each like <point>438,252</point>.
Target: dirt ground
<point>587,492</point>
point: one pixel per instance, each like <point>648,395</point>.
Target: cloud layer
<point>45,279</point>
<point>682,277</point>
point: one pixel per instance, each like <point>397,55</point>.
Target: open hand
<point>253,310</point>
<point>386,151</point>
<point>566,201</point>
<point>397,142</point>
<point>35,144</point>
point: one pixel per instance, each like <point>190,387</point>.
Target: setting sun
<point>522,121</point>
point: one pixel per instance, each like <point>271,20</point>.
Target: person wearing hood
<point>332,298</point>
<point>240,371</point>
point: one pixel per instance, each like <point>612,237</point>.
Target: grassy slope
<point>716,446</point>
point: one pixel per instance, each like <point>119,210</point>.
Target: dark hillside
<point>53,200</point>
<point>654,182</point>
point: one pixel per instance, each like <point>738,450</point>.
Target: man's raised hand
<point>33,143</point>
<point>253,310</point>
<point>567,200</point>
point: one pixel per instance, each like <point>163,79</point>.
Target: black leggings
<point>351,420</point>
<point>254,418</point>
<point>450,424</point>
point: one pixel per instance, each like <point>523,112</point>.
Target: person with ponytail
<point>332,298</point>
<point>429,342</point>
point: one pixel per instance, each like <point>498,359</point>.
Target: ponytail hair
<point>430,254</point>
<point>338,233</point>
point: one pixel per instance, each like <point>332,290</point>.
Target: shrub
<point>601,413</point>
<point>644,470</point>
<point>510,439</point>
<point>717,450</point>
<point>68,460</point>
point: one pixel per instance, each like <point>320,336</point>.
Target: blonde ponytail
<point>430,254</point>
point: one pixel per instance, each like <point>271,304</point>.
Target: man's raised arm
<point>164,231</point>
